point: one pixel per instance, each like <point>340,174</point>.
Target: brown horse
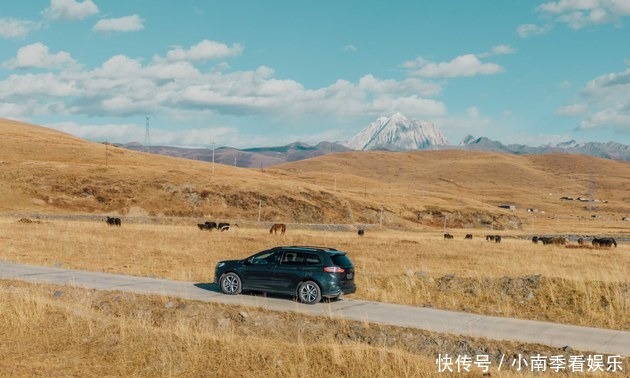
<point>278,227</point>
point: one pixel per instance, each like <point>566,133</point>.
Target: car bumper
<point>337,290</point>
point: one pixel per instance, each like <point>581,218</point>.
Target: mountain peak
<point>397,133</point>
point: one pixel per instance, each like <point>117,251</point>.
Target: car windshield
<point>266,257</point>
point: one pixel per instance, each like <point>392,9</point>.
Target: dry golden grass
<point>515,278</point>
<point>65,331</point>
<point>60,331</point>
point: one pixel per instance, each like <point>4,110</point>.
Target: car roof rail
<point>313,247</point>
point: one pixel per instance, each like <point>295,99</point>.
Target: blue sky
<point>254,73</point>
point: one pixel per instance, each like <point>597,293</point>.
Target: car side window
<point>293,258</point>
<point>268,257</point>
<point>312,259</point>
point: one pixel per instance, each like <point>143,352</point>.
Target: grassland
<point>406,199</point>
<point>60,331</point>
<point>515,278</point>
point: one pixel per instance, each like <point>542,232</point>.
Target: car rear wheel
<point>309,292</point>
<point>231,284</point>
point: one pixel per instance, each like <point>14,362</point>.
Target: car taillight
<point>333,269</point>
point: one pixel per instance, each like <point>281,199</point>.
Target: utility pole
<point>147,138</point>
<point>380,221</point>
<point>591,189</point>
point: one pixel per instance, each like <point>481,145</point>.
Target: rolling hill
<point>46,171</point>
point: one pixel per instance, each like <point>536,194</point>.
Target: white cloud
<point>350,48</point>
<point>528,30</point>
<point>110,132</point>
<point>473,112</point>
<point>132,132</point>
<point>470,123</point>
<point>413,106</point>
<point>70,10</point>
<point>121,24</point>
<point>461,66</point>
<point>407,86</point>
<point>125,86</point>
<point>503,50</point>
<point>204,51</point>
<point>418,62</point>
<point>19,88</point>
<point>14,28</point>
<point>37,55</point>
<point>572,110</point>
<point>614,117</point>
<point>581,13</point>
<point>607,100</point>
<point>498,50</point>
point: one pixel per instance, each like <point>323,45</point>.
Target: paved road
<point>527,331</point>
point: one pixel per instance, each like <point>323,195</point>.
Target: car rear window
<point>341,260</point>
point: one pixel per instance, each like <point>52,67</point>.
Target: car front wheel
<point>309,292</point>
<point>231,284</point>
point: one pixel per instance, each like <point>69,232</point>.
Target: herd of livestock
<point>554,240</point>
<point>281,228</point>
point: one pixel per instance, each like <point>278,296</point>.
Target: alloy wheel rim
<point>309,293</point>
<point>230,284</point>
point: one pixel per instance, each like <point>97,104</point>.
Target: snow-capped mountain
<point>397,133</point>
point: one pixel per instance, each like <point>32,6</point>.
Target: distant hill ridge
<point>608,150</point>
<point>395,133</point>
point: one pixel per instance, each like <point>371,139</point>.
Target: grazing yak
<point>212,225</point>
<point>361,232</point>
<point>223,226</point>
<point>113,221</point>
<point>468,236</point>
<point>448,236</point>
<point>497,238</point>
<point>604,242</point>
<point>559,240</point>
<point>489,237</point>
<point>555,240</point>
<point>207,226</point>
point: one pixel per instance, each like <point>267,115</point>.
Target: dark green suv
<point>307,272</point>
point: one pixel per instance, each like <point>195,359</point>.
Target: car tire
<point>230,283</point>
<point>308,292</point>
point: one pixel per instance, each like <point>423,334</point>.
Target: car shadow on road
<point>209,286</point>
<point>215,288</point>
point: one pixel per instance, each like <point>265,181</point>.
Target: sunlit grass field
<point>514,278</point>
